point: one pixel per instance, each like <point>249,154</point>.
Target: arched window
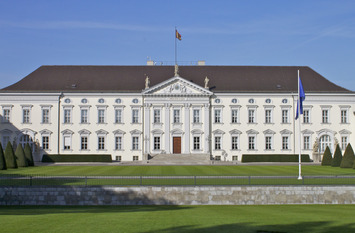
<point>24,139</point>
<point>324,141</point>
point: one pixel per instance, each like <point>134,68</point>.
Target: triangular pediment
<point>177,86</point>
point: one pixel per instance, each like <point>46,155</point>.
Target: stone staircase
<point>179,159</point>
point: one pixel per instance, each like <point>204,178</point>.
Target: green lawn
<point>179,219</point>
<point>179,170</point>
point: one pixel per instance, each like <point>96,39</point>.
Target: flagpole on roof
<point>175,47</point>
<point>299,127</point>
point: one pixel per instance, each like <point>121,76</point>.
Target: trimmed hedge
<point>20,156</point>
<point>348,158</point>
<point>2,159</point>
<point>76,158</point>
<point>249,158</point>
<point>337,157</point>
<point>28,155</point>
<point>327,157</point>
<point>10,156</point>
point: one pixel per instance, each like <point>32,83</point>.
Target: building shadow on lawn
<point>42,210</point>
<point>323,227</point>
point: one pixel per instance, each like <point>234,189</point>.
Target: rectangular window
<point>67,142</point>
<point>84,116</point>
<point>234,142</point>
<point>118,143</point>
<point>101,143</point>
<point>251,116</point>
<point>251,140</point>
<point>268,143</point>
<point>196,116</point>
<point>344,116</point>
<point>45,116</point>
<point>284,116</point>
<point>217,143</point>
<point>26,116</point>
<point>285,143</point>
<point>268,116</point>
<point>6,115</point>
<point>217,158</point>
<point>135,143</point>
<point>84,143</point>
<point>118,158</point>
<point>235,157</point>
<point>217,116</point>
<point>196,143</point>
<point>45,142</point>
<point>156,143</point>
<point>344,142</point>
<point>118,116</point>
<point>176,116</point>
<point>67,116</point>
<point>101,116</point>
<point>234,116</point>
<point>135,116</point>
<point>306,119</point>
<point>156,116</point>
<point>306,142</point>
<point>135,158</point>
<point>325,116</point>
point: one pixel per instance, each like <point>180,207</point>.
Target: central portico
<point>176,117</point>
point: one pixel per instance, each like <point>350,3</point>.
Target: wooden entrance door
<point>177,145</point>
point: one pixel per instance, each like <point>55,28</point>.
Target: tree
<point>20,156</point>
<point>10,156</point>
<point>28,155</point>
<point>2,159</point>
<point>348,158</point>
<point>337,157</point>
<point>327,157</point>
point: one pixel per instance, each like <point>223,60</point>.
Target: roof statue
<point>147,82</point>
<point>176,73</point>
<point>206,82</point>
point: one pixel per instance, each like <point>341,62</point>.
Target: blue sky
<point>319,34</point>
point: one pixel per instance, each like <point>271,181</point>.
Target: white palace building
<point>129,112</point>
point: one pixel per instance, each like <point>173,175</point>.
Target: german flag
<point>177,35</point>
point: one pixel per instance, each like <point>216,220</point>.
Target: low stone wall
<point>199,195</point>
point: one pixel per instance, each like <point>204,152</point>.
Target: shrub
<point>274,158</point>
<point>28,155</point>
<point>20,157</point>
<point>327,157</point>
<point>337,157</point>
<point>348,158</point>
<point>2,159</point>
<point>76,158</point>
<point>10,156</point>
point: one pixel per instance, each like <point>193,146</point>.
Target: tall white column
<point>146,137</point>
<point>187,128</point>
<point>207,127</point>
<point>167,128</point>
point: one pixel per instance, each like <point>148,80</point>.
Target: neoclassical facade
<point>132,111</point>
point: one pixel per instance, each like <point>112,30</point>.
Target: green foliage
<point>28,155</point>
<point>348,158</point>
<point>327,157</point>
<point>76,158</point>
<point>2,159</point>
<point>10,156</point>
<point>20,157</point>
<point>337,157</point>
<point>274,158</point>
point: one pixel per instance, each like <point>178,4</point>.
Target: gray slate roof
<point>132,79</point>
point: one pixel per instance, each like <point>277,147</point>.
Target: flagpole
<point>299,128</point>
<point>175,47</point>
